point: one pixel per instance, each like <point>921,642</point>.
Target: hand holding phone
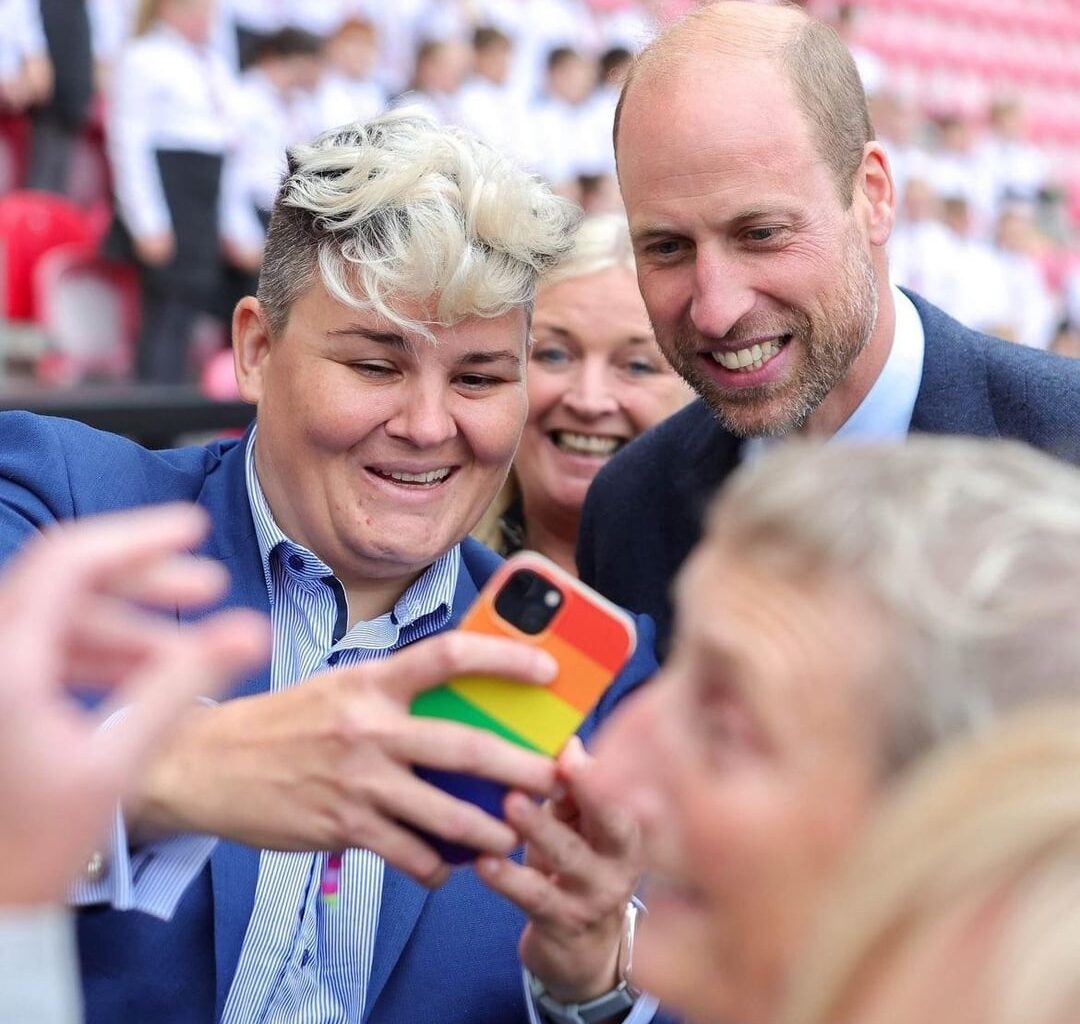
<point>531,600</point>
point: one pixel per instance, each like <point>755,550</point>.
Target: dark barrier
<point>153,415</point>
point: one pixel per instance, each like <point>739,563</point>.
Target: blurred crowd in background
<point>978,104</point>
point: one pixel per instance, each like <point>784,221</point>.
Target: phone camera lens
<point>528,601</point>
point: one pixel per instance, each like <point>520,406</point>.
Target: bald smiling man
<point>760,208</point>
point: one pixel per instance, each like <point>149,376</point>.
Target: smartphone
<point>530,599</point>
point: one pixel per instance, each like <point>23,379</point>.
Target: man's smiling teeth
<point>585,444</point>
<point>433,476</point>
<point>752,358</point>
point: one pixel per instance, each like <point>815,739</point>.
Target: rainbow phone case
<point>590,638</point>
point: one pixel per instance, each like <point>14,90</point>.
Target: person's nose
<point>722,295</point>
<point>630,756</point>
<point>424,417</point>
<point>590,394</point>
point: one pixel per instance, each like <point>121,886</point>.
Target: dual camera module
<point>528,601</point>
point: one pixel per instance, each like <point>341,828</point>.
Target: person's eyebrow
<point>650,233</point>
<point>390,338</point>
<point>486,357</point>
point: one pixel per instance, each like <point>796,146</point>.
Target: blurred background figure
<point>980,104</point>
<point>172,122</point>
<point>559,120</point>
<point>962,902</point>
<point>1018,170</point>
<point>596,380</point>
<point>872,70</point>
<point>26,71</point>
<point>441,67</point>
<point>922,253</point>
<point>348,90</point>
<point>60,114</point>
<point>276,107</point>
<point>485,103</point>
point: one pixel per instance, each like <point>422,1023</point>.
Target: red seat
<point>89,309</point>
<point>31,224</point>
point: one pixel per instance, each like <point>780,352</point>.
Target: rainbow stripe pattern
<point>590,640</point>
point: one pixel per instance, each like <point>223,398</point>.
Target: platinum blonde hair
<point>984,835</point>
<point>601,242</point>
<point>969,549</point>
<point>402,209</point>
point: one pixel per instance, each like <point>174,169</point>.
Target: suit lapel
<point>234,868</point>
<point>954,396</point>
<point>402,898</point>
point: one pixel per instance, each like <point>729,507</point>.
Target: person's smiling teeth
<point>433,476</point>
<point>584,444</point>
<point>752,358</point>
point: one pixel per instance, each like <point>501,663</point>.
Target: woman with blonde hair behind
<point>596,380</point>
<point>962,903</point>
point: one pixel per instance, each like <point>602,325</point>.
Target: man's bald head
<point>817,64</point>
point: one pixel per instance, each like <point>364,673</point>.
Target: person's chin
<point>673,961</point>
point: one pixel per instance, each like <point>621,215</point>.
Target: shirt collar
<point>432,591</point>
<point>885,412</point>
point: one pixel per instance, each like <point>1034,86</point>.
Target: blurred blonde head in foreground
<point>962,903</point>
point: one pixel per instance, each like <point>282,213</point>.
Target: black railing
<point>153,415</point>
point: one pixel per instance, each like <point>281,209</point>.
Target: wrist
<point>580,989</point>
<point>164,803</point>
<point>586,1005</point>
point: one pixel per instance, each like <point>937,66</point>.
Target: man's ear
<point>875,183</point>
<point>251,346</point>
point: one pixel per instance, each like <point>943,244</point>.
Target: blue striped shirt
<point>313,965</point>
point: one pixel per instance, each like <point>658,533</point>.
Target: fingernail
<point>547,668</point>
<point>488,865</point>
<point>518,805</point>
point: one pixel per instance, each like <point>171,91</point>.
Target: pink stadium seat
<point>89,308</point>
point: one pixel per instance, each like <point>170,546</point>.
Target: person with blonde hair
<point>385,354</point>
<point>850,609</point>
<point>962,901</point>
<point>596,381</point>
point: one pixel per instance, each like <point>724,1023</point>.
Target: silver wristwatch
<point>613,1004</point>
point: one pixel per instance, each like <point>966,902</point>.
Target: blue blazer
<point>443,957</point>
<point>644,510</point>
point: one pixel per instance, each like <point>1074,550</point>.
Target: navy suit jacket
<point>644,510</point>
<point>443,957</point>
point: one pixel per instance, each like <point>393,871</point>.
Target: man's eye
<point>667,247</point>
<point>761,234</point>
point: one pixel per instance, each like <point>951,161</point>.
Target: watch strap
<point>611,1004</point>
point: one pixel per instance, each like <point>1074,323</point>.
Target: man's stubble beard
<point>829,349</point>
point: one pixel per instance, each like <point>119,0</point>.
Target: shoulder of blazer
<point>982,386</point>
